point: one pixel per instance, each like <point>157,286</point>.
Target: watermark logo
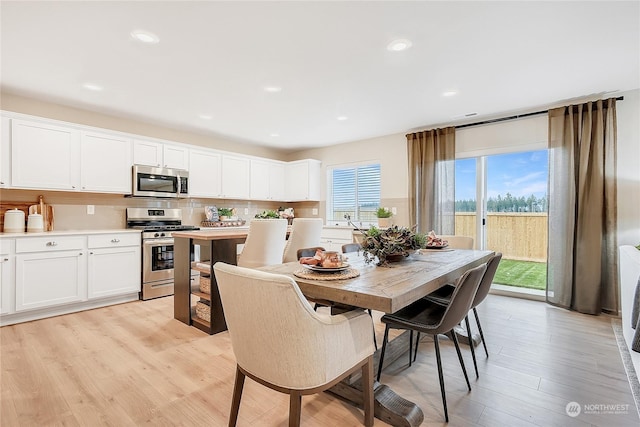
<point>573,409</point>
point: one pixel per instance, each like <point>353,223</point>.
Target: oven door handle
<point>157,242</point>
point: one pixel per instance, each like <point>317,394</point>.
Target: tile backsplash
<point>70,209</point>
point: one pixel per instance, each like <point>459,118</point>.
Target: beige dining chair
<point>459,242</point>
<point>265,243</point>
<point>281,343</point>
<point>430,318</point>
<point>305,233</point>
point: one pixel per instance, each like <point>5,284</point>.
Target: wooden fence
<point>519,236</point>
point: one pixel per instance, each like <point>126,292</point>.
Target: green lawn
<point>523,274</point>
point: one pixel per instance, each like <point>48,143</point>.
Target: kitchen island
<point>215,245</point>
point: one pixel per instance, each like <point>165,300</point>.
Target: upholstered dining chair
<point>281,343</point>
<point>265,243</point>
<point>305,233</point>
<point>308,252</point>
<point>348,248</point>
<point>428,317</point>
<point>351,247</point>
<point>443,296</point>
<point>458,242</point>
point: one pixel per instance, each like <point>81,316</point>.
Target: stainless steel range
<point>157,247</point>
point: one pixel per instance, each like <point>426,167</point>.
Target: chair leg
<point>441,377</point>
<point>415,353</point>
<point>410,346</point>
<point>295,409</point>
<point>464,370</point>
<point>384,347</point>
<point>375,342</point>
<point>367,391</point>
<point>475,313</point>
<point>237,395</point>
<point>473,351</point>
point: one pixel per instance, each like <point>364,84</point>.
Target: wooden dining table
<point>387,289</point>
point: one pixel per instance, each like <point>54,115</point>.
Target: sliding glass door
<point>501,201</point>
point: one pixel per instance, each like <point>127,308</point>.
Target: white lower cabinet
<point>332,238</point>
<point>7,270</point>
<point>45,279</point>
<point>114,265</point>
<point>57,274</point>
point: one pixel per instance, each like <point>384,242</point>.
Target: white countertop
<point>69,232</point>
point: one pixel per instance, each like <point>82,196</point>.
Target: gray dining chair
<point>308,252</point>
<point>443,297</point>
<point>430,318</point>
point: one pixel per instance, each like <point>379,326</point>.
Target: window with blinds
<point>355,191</point>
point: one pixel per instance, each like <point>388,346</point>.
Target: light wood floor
<point>133,364</point>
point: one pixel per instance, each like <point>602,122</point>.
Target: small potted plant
<point>225,213</point>
<point>384,217</point>
<point>268,214</point>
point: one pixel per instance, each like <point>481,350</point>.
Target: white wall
<point>391,152</point>
<point>628,114</point>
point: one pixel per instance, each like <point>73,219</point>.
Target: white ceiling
<point>329,58</point>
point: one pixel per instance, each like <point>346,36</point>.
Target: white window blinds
<point>355,192</point>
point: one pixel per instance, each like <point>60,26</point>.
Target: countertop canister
<point>35,223</point>
<point>14,221</point>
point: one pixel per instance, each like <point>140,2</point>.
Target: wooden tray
<point>229,223</point>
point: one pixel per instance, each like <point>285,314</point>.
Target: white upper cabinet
<point>147,153</point>
<point>175,157</point>
<point>105,163</point>
<point>205,171</point>
<point>44,156</point>
<point>302,180</point>
<point>267,180</point>
<point>5,152</point>
<point>235,177</point>
<point>153,153</point>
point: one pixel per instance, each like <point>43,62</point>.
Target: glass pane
<point>466,206</point>
<point>517,216</point>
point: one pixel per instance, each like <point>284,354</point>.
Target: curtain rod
<point>518,116</point>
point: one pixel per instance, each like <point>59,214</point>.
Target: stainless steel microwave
<point>149,181</point>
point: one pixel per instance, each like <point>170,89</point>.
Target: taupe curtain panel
<point>432,180</point>
<point>582,264</point>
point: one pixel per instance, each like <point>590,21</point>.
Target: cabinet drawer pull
<point>90,253</point>
<point>52,244</point>
<point>115,240</point>
<point>5,259</point>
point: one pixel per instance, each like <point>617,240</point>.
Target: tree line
<point>507,203</point>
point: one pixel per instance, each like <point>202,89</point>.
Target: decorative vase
<point>395,257</point>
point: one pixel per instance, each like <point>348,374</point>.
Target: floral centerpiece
<point>391,244</point>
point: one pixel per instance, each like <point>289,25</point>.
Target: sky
<point>521,174</point>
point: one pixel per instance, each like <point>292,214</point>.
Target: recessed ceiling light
<point>450,93</point>
<point>205,116</point>
<point>274,135</point>
<point>342,118</point>
<point>145,36</point>
<point>399,45</point>
<point>272,89</point>
<point>92,86</point>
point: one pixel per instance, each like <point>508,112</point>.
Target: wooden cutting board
<point>47,214</point>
